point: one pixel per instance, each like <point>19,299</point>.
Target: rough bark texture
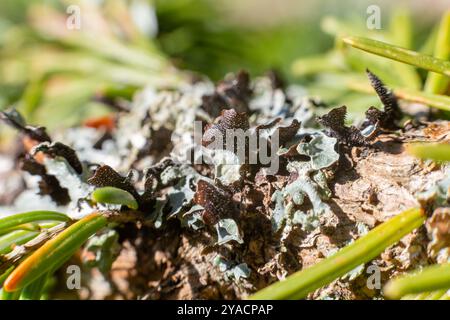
<point>332,187</point>
<point>176,263</point>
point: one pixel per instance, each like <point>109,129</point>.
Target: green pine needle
<point>54,252</point>
<point>436,277</point>
<point>13,221</point>
<point>433,151</point>
<point>437,83</point>
<point>114,196</point>
<point>298,285</point>
<point>8,241</point>
<point>400,54</point>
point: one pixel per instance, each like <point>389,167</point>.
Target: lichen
<point>228,230</point>
<point>232,270</point>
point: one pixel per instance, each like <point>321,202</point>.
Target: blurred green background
<point>52,72</point>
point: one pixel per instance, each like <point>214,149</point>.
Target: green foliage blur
<point>51,74</point>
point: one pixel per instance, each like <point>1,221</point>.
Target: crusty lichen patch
<point>226,229</point>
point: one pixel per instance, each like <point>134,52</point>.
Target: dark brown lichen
<point>228,120</point>
<point>15,120</point>
<point>217,203</point>
<point>48,185</point>
<point>391,113</point>
<point>234,93</point>
<point>58,149</point>
<point>334,121</point>
<point>105,176</point>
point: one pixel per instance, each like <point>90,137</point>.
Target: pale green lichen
<point>321,151</point>
<point>193,218</point>
<point>157,213</point>
<point>178,203</point>
<point>311,182</point>
<point>227,167</point>
<point>227,230</point>
<point>68,178</point>
<point>180,196</point>
<point>232,271</point>
<point>279,213</point>
<point>309,221</point>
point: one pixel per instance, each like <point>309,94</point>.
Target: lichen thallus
<point>59,237</point>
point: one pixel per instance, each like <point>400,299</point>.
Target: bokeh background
<point>58,76</point>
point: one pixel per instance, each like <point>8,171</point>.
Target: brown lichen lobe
<point>382,183</point>
<point>177,263</point>
<point>163,258</point>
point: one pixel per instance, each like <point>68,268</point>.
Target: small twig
<point>20,252</point>
<point>400,54</point>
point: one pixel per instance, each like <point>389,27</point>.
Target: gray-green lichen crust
<point>220,226</point>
